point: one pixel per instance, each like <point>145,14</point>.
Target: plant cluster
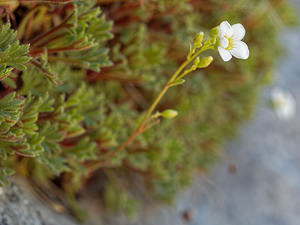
<point>77,78</point>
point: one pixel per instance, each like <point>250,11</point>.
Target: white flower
<point>284,103</point>
<point>230,41</point>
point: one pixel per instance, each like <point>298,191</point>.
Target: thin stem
<point>47,42</point>
<point>66,60</point>
<point>49,75</point>
<point>140,127</point>
<point>55,50</point>
<point>166,87</point>
<point>53,30</point>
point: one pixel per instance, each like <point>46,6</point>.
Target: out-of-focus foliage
<point>74,85</point>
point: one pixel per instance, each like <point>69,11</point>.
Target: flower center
<point>278,103</point>
<point>230,44</point>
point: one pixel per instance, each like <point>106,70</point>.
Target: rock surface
<point>258,182</point>
<point>20,207</point>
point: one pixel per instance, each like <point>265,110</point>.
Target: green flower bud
<point>213,33</point>
<point>169,113</point>
<point>198,38</point>
<point>205,62</point>
<point>196,61</point>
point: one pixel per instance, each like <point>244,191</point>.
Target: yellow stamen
<point>230,44</point>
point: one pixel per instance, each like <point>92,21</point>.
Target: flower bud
<point>198,38</point>
<point>196,61</point>
<point>169,113</point>
<point>214,32</point>
<point>205,62</point>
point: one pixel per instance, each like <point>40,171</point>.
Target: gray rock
<point>20,207</point>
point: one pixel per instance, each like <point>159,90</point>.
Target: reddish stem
<point>51,31</point>
<point>55,50</point>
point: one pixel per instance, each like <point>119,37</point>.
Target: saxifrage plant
<point>76,89</point>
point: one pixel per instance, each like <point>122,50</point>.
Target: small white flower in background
<point>284,103</point>
<point>230,41</point>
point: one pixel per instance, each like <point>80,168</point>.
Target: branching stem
<point>143,123</point>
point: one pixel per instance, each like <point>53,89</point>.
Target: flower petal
<point>224,42</point>
<point>240,50</point>
<point>288,108</point>
<point>225,30</point>
<point>238,32</point>
<point>284,103</point>
<point>225,54</point>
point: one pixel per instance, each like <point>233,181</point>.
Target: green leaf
<point>12,53</point>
